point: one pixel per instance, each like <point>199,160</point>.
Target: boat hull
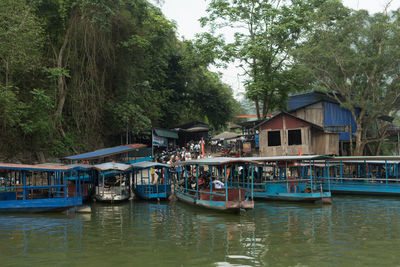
<point>230,206</point>
<point>143,192</point>
<point>296,197</point>
<point>358,188</point>
<point>40,205</point>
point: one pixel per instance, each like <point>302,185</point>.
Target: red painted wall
<point>274,124</point>
<point>292,123</point>
<point>277,123</point>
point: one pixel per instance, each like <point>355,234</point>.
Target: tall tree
<point>266,33</point>
<point>356,56</point>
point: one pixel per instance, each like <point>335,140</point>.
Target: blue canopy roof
<point>101,153</point>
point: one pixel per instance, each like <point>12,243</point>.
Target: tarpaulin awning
<point>149,164</point>
<point>225,136</point>
<point>166,133</point>
<point>112,166</point>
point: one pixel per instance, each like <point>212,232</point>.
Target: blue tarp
<point>101,153</point>
<point>334,115</point>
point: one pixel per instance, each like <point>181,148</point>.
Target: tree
<point>20,40</point>
<point>356,57</point>
<point>267,32</point>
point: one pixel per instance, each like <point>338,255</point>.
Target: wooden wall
<point>283,124</point>
<point>313,141</point>
<point>313,113</point>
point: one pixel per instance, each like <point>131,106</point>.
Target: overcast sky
<point>186,14</point>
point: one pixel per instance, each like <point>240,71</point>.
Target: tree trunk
<point>257,108</point>
<point>62,89</point>
<point>358,150</point>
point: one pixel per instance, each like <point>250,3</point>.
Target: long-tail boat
<point>289,178</point>
<point>212,183</point>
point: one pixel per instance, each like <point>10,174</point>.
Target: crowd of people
<point>191,150</point>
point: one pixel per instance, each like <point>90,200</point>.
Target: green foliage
<point>103,68</point>
<point>21,38</point>
<point>267,32</point>
<point>356,54</point>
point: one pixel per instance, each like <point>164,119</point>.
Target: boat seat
<point>19,192</point>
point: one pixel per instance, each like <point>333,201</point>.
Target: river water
<point>353,231</point>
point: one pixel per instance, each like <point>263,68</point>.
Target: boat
<point>112,182</point>
<point>38,188</point>
<point>289,178</point>
<point>147,187</point>
<point>212,183</point>
<point>85,173</point>
<point>363,175</point>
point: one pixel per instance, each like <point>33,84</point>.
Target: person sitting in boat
<point>217,184</point>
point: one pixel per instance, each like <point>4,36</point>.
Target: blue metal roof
<point>301,100</point>
<point>101,153</point>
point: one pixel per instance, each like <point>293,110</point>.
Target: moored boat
<point>212,183</point>
<point>289,178</point>
<point>363,175</point>
<point>112,182</point>
<point>152,180</point>
<point>38,188</point>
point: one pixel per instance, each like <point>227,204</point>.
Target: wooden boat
<point>38,188</point>
<point>148,187</point>
<point>362,175</point>
<point>287,178</point>
<point>112,182</point>
<point>197,184</point>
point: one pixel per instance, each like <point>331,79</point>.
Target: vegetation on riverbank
<point>75,75</point>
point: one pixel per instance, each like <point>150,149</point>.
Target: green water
<point>354,231</point>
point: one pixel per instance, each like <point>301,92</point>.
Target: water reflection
<point>353,229</point>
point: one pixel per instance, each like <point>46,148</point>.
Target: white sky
<point>186,14</point>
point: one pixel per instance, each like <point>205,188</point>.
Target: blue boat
<point>362,175</point>
<point>38,188</point>
<point>147,187</point>
<point>289,178</point>
<point>86,175</point>
<point>212,183</point>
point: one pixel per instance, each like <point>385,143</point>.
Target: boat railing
<point>370,179</point>
<point>283,181</point>
<point>35,191</point>
<point>203,191</point>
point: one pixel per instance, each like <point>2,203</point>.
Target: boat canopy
<point>27,167</point>
<point>81,167</point>
<point>289,158</point>
<point>106,152</point>
<point>367,158</point>
<point>148,164</point>
<point>112,166</point>
<point>217,161</point>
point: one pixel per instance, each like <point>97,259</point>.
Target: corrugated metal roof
<point>101,153</point>
<point>27,167</point>
<point>112,166</point>
<point>148,164</point>
<point>166,133</point>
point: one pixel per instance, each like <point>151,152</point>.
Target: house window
<point>274,138</point>
<point>294,137</point>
